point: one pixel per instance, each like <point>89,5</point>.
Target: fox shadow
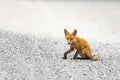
<point>79,58</point>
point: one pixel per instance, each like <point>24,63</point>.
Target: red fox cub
<point>81,45</point>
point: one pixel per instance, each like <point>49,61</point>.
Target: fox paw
<point>64,58</point>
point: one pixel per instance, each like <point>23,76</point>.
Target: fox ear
<point>74,32</point>
<point>65,31</point>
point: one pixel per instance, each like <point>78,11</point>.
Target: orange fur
<point>80,44</point>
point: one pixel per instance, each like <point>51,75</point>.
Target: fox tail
<point>95,58</point>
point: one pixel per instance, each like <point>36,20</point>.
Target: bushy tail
<point>95,58</point>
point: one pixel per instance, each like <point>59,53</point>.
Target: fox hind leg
<point>86,54</point>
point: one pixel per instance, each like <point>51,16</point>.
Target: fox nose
<point>68,43</point>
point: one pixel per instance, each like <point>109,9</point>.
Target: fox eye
<point>66,37</point>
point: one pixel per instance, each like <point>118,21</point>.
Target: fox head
<point>70,37</point>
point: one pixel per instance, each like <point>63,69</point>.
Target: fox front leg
<point>67,52</point>
<point>76,54</point>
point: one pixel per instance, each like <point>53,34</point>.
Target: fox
<point>81,45</point>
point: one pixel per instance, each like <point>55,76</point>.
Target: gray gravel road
<point>25,57</point>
